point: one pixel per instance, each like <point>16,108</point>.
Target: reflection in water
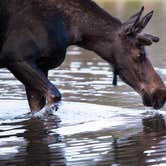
<point>146,148</point>
<point>154,123</point>
<point>34,143</point>
<point>118,130</point>
<point>37,140</point>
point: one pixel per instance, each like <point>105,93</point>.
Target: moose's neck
<point>88,21</point>
<point>89,25</point>
<point>84,22</point>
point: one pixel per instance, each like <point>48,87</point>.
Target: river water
<point>96,123</point>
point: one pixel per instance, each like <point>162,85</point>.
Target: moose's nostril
<point>158,98</point>
<point>147,100</point>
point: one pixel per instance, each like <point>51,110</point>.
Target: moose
<point>34,36</point>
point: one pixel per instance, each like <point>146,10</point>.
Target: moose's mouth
<point>156,100</point>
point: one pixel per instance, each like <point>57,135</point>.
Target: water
<point>97,123</point>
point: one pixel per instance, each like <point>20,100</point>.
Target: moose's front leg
<point>36,83</point>
<point>35,99</point>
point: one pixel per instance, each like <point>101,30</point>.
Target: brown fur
<point>34,36</point>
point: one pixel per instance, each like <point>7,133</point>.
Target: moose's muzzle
<point>156,99</point>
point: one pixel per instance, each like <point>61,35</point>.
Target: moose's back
<point>31,26</point>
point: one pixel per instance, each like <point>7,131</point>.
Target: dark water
<point>96,124</point>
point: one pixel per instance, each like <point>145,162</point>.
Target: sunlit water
<point>97,123</point>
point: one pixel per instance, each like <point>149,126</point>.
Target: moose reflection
<point>37,144</point>
<point>35,35</point>
<point>145,148</point>
<point>43,145</point>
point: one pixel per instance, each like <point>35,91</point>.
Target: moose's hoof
<point>53,97</point>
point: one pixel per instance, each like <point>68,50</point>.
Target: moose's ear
<point>152,37</point>
<point>129,26</point>
<point>146,39</point>
<point>143,41</point>
<point>142,24</point>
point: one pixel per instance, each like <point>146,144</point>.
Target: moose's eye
<point>142,54</point>
<point>143,51</point>
<point>139,54</point>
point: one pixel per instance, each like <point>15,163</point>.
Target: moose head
<point>131,62</point>
<point>125,51</point>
